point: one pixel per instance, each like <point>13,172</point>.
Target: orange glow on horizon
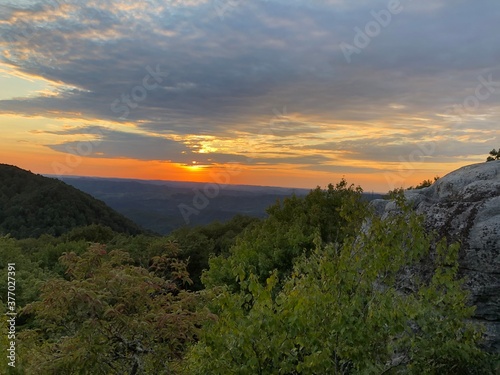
<point>42,161</point>
<point>25,146</point>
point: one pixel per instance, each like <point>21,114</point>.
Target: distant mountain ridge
<point>155,204</point>
<point>32,205</point>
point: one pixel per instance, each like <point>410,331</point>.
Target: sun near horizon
<point>179,91</point>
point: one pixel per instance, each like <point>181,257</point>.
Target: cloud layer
<point>263,82</point>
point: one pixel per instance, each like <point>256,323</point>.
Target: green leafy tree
<point>356,307</point>
<point>92,233</point>
<point>111,317</point>
<point>494,155</point>
<point>29,275</point>
<point>292,228</point>
<point>199,243</point>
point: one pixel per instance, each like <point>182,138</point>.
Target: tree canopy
<point>348,307</point>
<point>321,286</point>
<point>32,205</point>
<point>494,155</point>
<point>292,228</point>
<point>111,317</point>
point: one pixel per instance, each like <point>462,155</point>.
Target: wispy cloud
<point>226,77</point>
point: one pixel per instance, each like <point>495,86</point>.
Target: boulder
<point>465,206</point>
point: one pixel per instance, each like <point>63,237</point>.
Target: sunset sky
<point>292,93</point>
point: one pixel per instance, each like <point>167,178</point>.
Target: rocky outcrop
<point>465,206</point>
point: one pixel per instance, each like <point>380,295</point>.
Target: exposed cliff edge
<point>465,206</point>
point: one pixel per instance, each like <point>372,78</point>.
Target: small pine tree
<point>424,184</point>
<point>494,155</point>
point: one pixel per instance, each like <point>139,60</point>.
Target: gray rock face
<point>465,206</point>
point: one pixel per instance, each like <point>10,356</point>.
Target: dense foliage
<point>32,205</point>
<point>293,228</point>
<point>322,286</point>
<point>199,243</point>
<point>350,307</point>
<point>111,317</point>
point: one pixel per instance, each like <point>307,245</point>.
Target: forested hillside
<point>320,286</point>
<point>32,205</point>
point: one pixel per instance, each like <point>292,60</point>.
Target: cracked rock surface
<point>465,206</point>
